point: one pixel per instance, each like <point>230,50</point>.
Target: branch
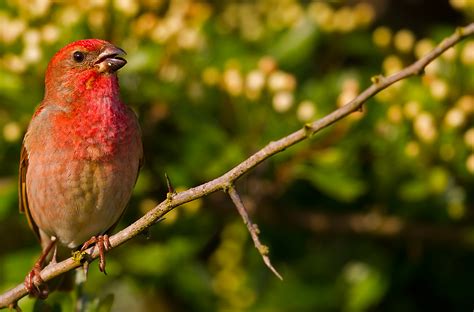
<point>223,182</point>
<point>253,229</point>
<point>378,225</point>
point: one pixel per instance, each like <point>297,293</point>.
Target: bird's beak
<point>109,60</point>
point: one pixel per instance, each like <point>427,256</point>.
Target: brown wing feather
<point>22,191</point>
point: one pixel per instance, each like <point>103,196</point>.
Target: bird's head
<point>81,65</point>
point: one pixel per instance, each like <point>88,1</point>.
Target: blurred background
<point>374,213</point>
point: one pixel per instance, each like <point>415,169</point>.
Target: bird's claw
<point>35,285</point>
<point>103,243</point>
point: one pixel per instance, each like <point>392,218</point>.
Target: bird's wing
<point>22,190</point>
<point>138,139</point>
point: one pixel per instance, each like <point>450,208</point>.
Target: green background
<point>374,213</point>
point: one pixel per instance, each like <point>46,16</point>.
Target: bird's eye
<point>78,56</point>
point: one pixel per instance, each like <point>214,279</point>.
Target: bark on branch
<point>224,182</point>
<point>252,228</point>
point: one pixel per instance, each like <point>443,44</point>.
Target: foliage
<point>213,82</point>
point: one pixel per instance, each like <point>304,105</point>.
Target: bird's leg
<point>54,259</point>
<point>34,284</point>
<point>103,243</point>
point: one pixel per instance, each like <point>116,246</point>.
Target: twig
<point>222,182</point>
<point>378,225</point>
<point>253,229</point>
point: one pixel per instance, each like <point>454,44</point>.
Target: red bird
<point>81,154</point>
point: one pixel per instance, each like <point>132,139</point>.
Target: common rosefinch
<point>80,156</point>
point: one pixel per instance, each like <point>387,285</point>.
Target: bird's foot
<point>103,243</point>
<point>34,283</point>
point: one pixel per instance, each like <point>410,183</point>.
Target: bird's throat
<point>95,124</point>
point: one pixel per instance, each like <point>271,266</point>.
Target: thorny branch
<point>253,229</point>
<point>379,83</point>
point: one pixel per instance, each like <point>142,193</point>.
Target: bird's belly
<point>74,200</point>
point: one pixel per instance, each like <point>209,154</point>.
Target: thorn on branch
<point>158,221</point>
<point>171,191</point>
<point>252,228</point>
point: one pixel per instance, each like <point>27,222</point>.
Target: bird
<point>80,156</point>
